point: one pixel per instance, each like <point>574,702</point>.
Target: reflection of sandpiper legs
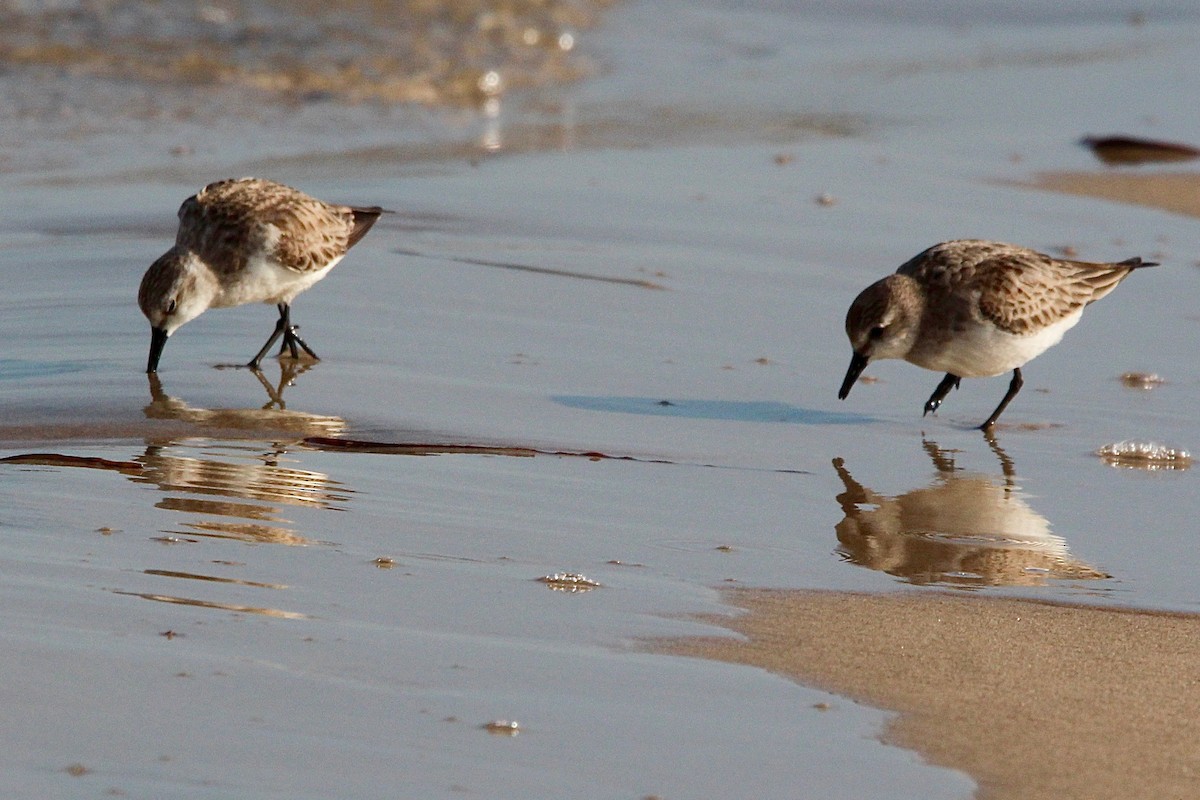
<point>284,328</point>
<point>855,495</point>
<point>157,394</point>
<point>962,528</point>
<point>288,372</point>
<point>943,461</point>
<point>1006,463</point>
<point>163,405</point>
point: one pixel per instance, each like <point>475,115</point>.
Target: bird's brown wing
<point>311,234</point>
<point>1024,293</point>
<point>231,221</point>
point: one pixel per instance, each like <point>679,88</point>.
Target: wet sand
<point>1031,699</point>
<point>651,264</point>
<point>1177,192</point>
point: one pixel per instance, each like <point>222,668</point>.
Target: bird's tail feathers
<point>364,218</point>
<point>1136,262</point>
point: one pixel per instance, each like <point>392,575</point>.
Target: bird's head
<point>883,322</point>
<point>175,290</point>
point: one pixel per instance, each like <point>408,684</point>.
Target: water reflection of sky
<point>728,410</point>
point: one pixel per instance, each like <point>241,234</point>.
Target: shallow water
<point>651,264</point>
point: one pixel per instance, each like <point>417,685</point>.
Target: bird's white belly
<point>264,281</point>
<point>984,350</point>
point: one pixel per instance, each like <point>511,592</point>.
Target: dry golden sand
<point>1032,700</point>
<point>1178,192</point>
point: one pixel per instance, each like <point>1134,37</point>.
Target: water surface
<point>677,209</point>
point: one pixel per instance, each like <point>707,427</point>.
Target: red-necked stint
<point>247,241</point>
<point>974,309</point>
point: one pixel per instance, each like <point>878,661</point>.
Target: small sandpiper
<point>974,309</point>
<point>247,241</point>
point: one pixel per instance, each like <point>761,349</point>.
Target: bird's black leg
<point>288,345</point>
<point>1013,387</point>
<point>292,343</point>
<point>281,326</point>
<point>939,394</point>
<point>291,337</point>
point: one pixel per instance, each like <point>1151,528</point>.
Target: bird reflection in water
<point>237,497</point>
<point>272,417</point>
<point>240,496</point>
<point>230,473</point>
<point>967,529</point>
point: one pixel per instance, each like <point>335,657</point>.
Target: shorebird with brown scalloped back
<point>242,241</point>
<point>974,309</point>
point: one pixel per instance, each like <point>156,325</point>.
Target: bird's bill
<point>857,364</point>
<point>158,340</point>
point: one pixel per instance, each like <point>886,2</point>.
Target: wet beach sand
<point>1032,699</point>
<point>579,394</point>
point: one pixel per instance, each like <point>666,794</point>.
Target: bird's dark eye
<point>171,307</point>
<point>876,332</point>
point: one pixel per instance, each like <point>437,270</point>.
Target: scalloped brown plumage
<point>973,308</point>
<point>242,241</point>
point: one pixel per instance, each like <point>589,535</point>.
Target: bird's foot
<point>939,394</point>
<point>293,344</point>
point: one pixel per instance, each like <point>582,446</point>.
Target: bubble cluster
<point>1144,455</point>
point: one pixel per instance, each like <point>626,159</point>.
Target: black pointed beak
<point>158,340</point>
<point>857,364</point>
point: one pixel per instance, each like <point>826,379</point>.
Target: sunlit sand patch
<point>1035,701</point>
<point>1177,192</point>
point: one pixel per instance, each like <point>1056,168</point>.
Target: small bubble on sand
<point>569,582</point>
<point>1132,454</point>
<point>1141,380</point>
